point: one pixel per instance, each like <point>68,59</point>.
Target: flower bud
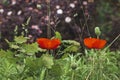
<point>47,61</point>
<point>97,31</point>
<point>73,66</point>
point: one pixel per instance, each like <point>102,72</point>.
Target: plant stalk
<point>48,25</point>
<point>73,75</point>
<point>42,75</point>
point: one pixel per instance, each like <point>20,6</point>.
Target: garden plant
<point>53,58</point>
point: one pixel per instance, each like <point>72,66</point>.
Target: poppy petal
<point>55,43</point>
<point>48,44</point>
<point>43,42</point>
<point>99,44</point>
<point>89,42</point>
<point>94,43</point>
<point>102,43</point>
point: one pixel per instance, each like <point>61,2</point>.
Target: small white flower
<point>68,19</point>
<point>84,2</point>
<point>72,5</point>
<point>52,23</point>
<point>13,2</point>
<point>40,31</point>
<point>1,11</point>
<point>59,11</point>
<point>39,6</point>
<point>57,7</point>
<point>76,14</point>
<point>47,18</point>
<point>9,13</point>
<point>35,27</point>
<point>30,36</point>
<point>19,12</point>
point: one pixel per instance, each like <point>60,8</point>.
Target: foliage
<point>25,60</point>
<point>20,62</point>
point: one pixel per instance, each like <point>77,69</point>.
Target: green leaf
<point>28,20</point>
<point>33,64</point>
<point>71,48</point>
<point>56,71</point>
<point>31,49</point>
<point>9,55</point>
<point>47,61</point>
<point>14,46</point>
<point>6,54</point>
<point>20,39</point>
<point>2,53</point>
<point>42,50</point>
<point>7,69</point>
<point>58,35</point>
<point>29,78</point>
<point>71,42</point>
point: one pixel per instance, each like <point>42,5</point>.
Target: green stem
<point>73,75</point>
<point>100,65</point>
<point>42,75</point>
<point>113,41</point>
<point>92,70</point>
<point>86,20</point>
<point>97,37</point>
<point>48,25</point>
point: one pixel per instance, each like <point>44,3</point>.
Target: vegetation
<point>40,51</point>
<point>24,61</point>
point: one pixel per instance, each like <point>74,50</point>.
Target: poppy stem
<point>49,52</point>
<point>86,20</point>
<point>112,42</point>
<point>42,75</point>
<point>73,75</point>
<point>48,25</point>
<point>97,37</point>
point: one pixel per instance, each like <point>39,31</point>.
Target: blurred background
<point>74,19</point>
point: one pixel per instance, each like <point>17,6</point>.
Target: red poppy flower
<point>48,44</point>
<point>94,43</point>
